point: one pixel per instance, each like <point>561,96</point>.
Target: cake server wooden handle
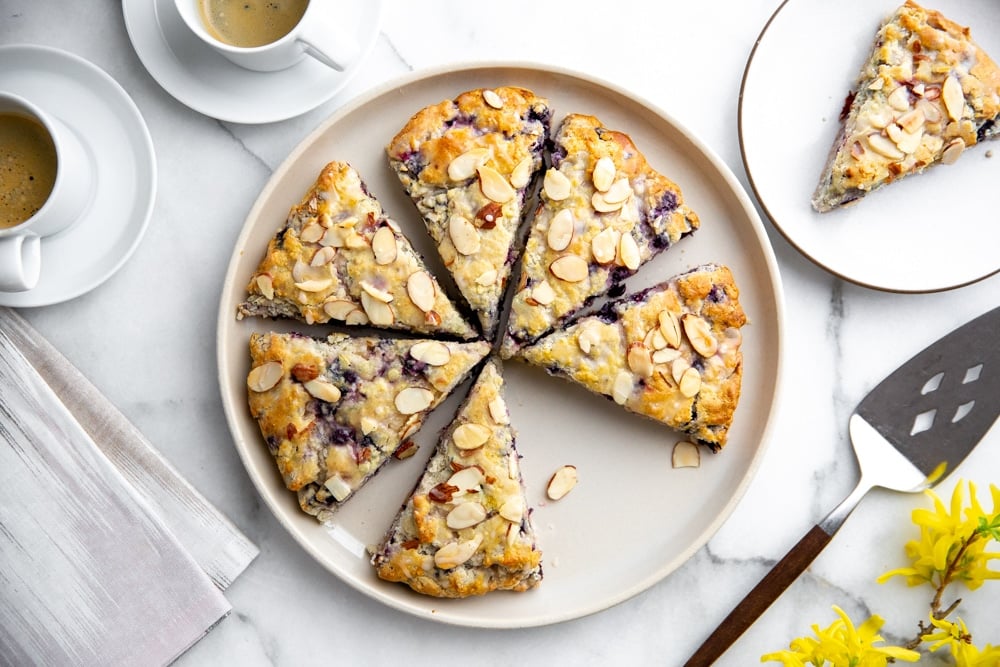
<point>761,597</point>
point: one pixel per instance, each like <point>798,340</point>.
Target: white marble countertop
<point>841,339</point>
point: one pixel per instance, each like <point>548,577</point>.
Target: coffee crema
<point>28,166</point>
<point>249,23</point>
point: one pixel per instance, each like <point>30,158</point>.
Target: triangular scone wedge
<point>468,164</point>
<point>926,94</point>
<point>605,211</point>
<point>670,352</point>
<point>466,529</point>
<point>332,411</point>
<point>339,258</point>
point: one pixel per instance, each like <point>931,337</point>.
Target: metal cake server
<point>911,430</point>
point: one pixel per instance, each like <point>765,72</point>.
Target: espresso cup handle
<point>326,41</point>
<point>20,262</point>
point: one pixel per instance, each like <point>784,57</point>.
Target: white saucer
<point>207,82</point>
<point>120,149</point>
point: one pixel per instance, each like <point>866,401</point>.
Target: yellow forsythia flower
<point>959,641</point>
<point>949,534</point>
<point>842,645</point>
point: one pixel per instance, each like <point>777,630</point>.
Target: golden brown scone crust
<point>689,380</point>
<point>924,96</point>
<point>501,552</point>
<point>508,141</point>
<point>326,447</point>
<point>323,266</point>
<point>653,218</point>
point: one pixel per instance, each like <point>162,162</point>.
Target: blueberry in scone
<point>468,165</point>
<point>670,352</point>
<point>332,411</point>
<point>926,93</point>
<point>339,258</point>
<point>604,212</point>
<point>466,529</point>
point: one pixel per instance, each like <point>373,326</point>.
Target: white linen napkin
<point>107,556</point>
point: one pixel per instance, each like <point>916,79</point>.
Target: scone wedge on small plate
<point>604,212</point>
<point>926,93</point>
<point>671,352</point>
<point>339,258</point>
<point>466,528</point>
<point>333,411</point>
<point>468,164</point>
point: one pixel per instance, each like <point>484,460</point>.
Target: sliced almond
<point>604,174</point>
<point>368,425</point>
<point>470,436</point>
<point>358,317</point>
<point>665,356</point>
<point>487,278</point>
<point>464,235</point>
<point>379,313</point>
<point>885,147</point>
<point>639,360</point>
<point>312,232</point>
<point>571,268</point>
<point>678,367</point>
<point>699,333</point>
<point>465,515</point>
<point>333,237</point>
<point>513,509</point>
<point>602,205</point>
<point>376,292</point>
<point>555,185</point>
<point>494,186</point>
<point>618,192</point>
<point>323,256</point>
<point>384,246</point>
<point>899,99</point>
<point>498,410</point>
<point>407,449</point>
<point>912,120</point>
<point>464,166</point>
<point>587,338</point>
<point>604,245</point>
<point>561,482</point>
<point>953,97</point>
<point>265,376</point>
<point>323,390</point>
<point>420,288</point>
<point>338,488</point>
<point>622,387</point>
<point>953,151</point>
<point>454,554</point>
<point>543,293</point>
<point>466,480</point>
<point>431,352</point>
<point>670,327</point>
<point>266,286</point>
<point>628,252</point>
<point>338,309</point>
<point>690,382</point>
<point>560,232</point>
<point>930,111</point>
<point>315,285</point>
<point>685,455</point>
<point>493,99</point>
<point>411,400</point>
<point>521,174</point>
<point>654,340</point>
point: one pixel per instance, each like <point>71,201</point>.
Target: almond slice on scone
<point>604,212</point>
<point>333,411</point>
<point>926,93</point>
<point>671,352</point>
<point>466,528</point>
<point>339,258</point>
<point>468,165</point>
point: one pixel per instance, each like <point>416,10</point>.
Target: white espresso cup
<point>318,33</point>
<point>20,245</point>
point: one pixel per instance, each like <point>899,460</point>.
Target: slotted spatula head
<point>935,408</point>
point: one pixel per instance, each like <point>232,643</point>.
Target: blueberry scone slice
<point>332,411</point>
<point>340,258</point>
<point>468,164</point>
<point>604,212</point>
<point>926,93</point>
<point>670,352</point>
<point>465,530</point>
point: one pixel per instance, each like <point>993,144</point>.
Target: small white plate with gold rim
<point>207,82</point>
<point>120,150</point>
<point>924,233</point>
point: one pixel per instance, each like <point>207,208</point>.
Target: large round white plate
<point>207,82</point>
<point>632,519</point>
<point>120,150</point>
<point>924,233</point>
